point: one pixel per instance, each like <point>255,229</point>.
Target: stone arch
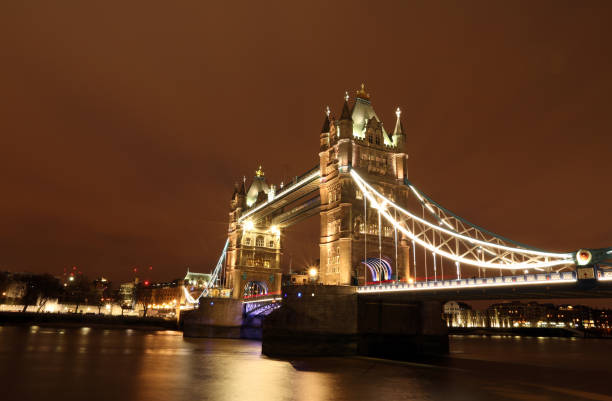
<point>255,288</point>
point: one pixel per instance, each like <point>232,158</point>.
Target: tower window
<point>271,244</point>
<point>247,241</point>
<point>259,241</point>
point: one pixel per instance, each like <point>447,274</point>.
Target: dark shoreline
<point>76,320</point>
<point>65,320</point>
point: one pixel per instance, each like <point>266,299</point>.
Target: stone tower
<point>350,236</point>
<point>253,254</point>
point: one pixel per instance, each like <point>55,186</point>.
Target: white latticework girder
<point>451,237</point>
<point>213,278</point>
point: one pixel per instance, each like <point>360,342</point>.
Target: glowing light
<point>249,225</point>
<point>583,257</point>
<point>410,280</point>
<point>71,278</point>
<point>299,294</point>
<point>275,230</point>
<point>312,272</point>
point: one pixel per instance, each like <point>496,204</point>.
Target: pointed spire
<point>326,123</point>
<point>243,187</point>
<point>399,128</point>
<point>346,113</point>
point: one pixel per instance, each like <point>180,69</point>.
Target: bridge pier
<point>401,330</point>
<point>320,320</point>
<point>216,317</point>
<point>315,320</point>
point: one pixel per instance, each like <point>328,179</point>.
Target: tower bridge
<point>381,237</point>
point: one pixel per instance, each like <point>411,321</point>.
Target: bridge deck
<point>541,285</point>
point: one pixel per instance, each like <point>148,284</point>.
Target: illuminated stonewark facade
<point>349,235</point>
<point>253,255</point>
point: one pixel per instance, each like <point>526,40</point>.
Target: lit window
<point>271,244</point>
<point>247,241</point>
<point>259,241</point>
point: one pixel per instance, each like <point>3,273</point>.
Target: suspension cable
<point>372,194</point>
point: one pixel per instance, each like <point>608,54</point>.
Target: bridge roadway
<point>525,286</point>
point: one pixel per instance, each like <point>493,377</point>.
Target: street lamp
<point>312,272</point>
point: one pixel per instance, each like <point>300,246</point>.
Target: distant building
<point>15,291</point>
<point>160,298</point>
<point>197,280</point>
<point>296,278</point>
<point>531,314</point>
<point>127,292</point>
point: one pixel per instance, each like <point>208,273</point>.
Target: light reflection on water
<point>132,365</point>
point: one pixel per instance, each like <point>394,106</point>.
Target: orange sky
<point>124,126</point>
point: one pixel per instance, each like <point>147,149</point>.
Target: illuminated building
<point>253,255</point>
<point>350,235</point>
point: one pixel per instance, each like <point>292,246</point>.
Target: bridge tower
<point>254,250</point>
<point>350,236</point>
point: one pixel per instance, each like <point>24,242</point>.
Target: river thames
<point>40,363</point>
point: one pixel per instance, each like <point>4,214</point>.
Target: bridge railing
<point>475,282</point>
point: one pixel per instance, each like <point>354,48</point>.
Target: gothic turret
<point>325,130</point>
<point>259,185</point>
<point>399,138</point>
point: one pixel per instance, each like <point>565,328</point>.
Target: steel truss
<point>452,237</point>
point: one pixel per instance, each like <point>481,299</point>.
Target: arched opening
<point>379,270</point>
<point>255,288</point>
<point>259,241</point>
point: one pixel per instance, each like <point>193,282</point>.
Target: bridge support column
<point>398,330</point>
<point>315,320</point>
<point>216,317</point>
<point>337,321</point>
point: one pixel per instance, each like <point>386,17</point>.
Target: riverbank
<point>89,320</point>
<point>531,332</point>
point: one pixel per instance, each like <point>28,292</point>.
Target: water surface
<point>39,363</point>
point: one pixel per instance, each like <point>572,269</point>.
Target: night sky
<point>125,126</point>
